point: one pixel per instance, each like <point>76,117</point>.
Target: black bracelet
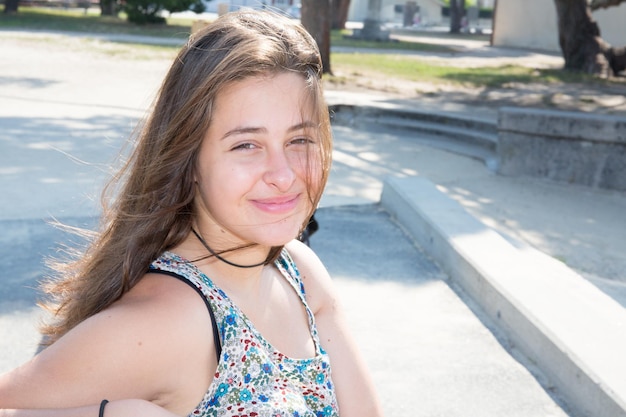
<point>102,404</point>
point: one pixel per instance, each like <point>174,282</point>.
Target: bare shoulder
<point>355,390</point>
<point>164,307</point>
<point>160,306</point>
<point>317,281</point>
<point>135,348</point>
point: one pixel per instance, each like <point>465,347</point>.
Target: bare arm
<point>121,408</point>
<point>354,387</point>
<point>152,345</point>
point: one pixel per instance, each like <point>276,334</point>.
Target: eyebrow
<point>250,129</point>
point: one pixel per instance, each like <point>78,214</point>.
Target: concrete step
<point>470,136</point>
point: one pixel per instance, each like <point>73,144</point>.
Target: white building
<point>533,24</point>
<point>430,11</point>
<point>391,10</point>
<point>214,6</point>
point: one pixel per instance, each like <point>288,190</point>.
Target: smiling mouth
<point>277,205</point>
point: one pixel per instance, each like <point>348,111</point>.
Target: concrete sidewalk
<point>434,347</point>
<point>572,328</point>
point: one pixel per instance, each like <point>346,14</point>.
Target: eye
<point>302,140</point>
<point>244,146</point>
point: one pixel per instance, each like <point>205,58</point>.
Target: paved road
<point>65,112</point>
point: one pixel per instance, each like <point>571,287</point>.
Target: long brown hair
<point>151,198</point>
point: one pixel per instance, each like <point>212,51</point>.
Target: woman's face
<point>257,162</point>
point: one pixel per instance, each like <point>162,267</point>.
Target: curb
<point>573,332</point>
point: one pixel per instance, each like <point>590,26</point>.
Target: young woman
<point>195,298</point>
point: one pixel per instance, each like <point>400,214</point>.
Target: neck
<point>219,255</point>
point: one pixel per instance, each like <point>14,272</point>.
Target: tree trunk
<point>316,19</point>
<point>339,13</point>
<point>108,7</point>
<point>457,13</point>
<point>11,6</point>
<point>579,37</point>
<point>603,4</point>
<point>617,59</point>
<point>616,56</point>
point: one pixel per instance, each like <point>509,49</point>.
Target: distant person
<point>195,298</point>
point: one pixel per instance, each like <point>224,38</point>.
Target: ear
<point>195,175</point>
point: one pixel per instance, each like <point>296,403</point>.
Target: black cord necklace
<point>212,252</point>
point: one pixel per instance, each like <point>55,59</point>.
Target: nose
<point>279,172</point>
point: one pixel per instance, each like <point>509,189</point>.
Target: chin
<point>278,241</point>
<point>279,233</point>
<point>278,237</point>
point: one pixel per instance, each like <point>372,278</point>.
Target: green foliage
<point>75,20</point>
<point>150,11</point>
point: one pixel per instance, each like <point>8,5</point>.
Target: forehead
<point>274,107</point>
<point>272,94</point>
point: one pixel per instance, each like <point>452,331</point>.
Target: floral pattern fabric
<point>254,379</point>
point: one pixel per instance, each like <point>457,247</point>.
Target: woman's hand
<point>120,408</point>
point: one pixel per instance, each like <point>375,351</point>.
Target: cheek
<point>228,181</point>
<point>211,179</point>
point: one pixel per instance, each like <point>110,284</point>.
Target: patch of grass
<point>132,51</point>
<point>511,74</point>
<point>564,76</point>
<point>342,38</point>
<point>75,20</point>
<point>413,69</point>
<point>448,35</point>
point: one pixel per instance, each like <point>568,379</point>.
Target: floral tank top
<point>252,377</point>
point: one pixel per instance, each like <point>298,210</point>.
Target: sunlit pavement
<point>63,119</point>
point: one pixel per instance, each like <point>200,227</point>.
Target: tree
<point>457,12</point>
<point>339,13</point>
<point>10,6</point>
<point>583,48</point>
<point>108,7</point>
<point>597,4</point>
<point>316,19</point>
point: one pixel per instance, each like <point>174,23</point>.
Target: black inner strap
<point>216,334</point>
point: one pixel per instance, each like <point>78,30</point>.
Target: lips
<point>277,205</point>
